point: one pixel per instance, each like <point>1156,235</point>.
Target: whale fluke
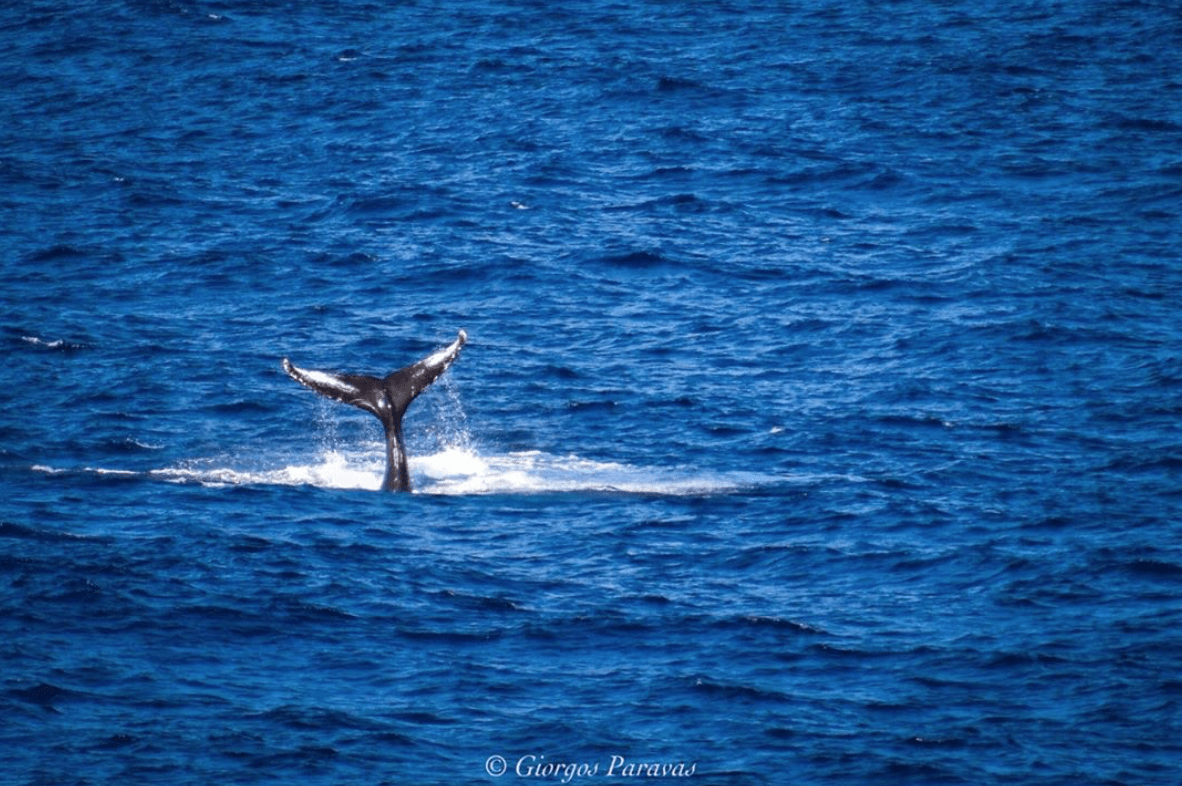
<point>385,397</point>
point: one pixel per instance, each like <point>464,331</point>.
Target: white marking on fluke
<point>443,354</point>
<point>328,380</point>
<point>320,378</point>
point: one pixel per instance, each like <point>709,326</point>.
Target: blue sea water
<point>819,422</point>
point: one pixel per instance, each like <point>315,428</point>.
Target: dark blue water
<point>819,423</point>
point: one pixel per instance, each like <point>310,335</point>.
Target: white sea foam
<point>453,471</point>
<point>40,342</point>
<point>57,343</point>
<point>331,469</point>
<point>457,471</point>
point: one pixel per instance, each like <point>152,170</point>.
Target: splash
<point>463,471</point>
<point>444,461</point>
<point>332,470</point>
<point>454,470</point>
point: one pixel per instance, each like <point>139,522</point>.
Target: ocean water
<point>819,421</point>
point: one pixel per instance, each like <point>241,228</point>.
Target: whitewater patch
<point>455,471</point>
<point>458,471</point>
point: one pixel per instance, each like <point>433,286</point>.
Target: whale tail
<point>387,398</point>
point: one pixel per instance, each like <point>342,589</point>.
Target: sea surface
<point>820,420</point>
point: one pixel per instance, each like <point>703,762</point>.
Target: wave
<point>53,344</point>
<point>455,471</point>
